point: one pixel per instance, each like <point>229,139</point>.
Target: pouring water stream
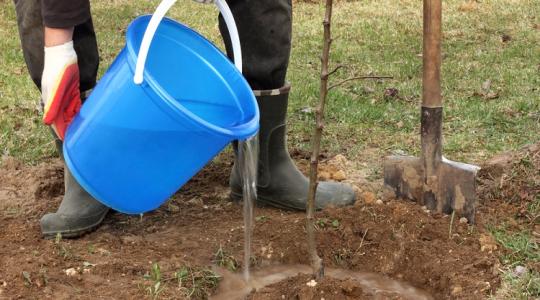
<point>248,155</point>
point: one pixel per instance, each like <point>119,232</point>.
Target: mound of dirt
<point>509,192</point>
<point>511,179</point>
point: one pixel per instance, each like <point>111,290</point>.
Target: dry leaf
<point>506,38</point>
<point>486,86</point>
<point>391,93</point>
<point>468,6</point>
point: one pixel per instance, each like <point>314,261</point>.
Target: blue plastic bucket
<point>133,145</point>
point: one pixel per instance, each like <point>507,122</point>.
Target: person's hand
<point>204,1</point>
<point>60,87</point>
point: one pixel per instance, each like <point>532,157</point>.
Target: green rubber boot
<point>78,213</point>
<point>280,183</point>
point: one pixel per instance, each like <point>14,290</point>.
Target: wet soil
<point>393,238</point>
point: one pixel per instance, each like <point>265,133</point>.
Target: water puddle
<point>233,286</point>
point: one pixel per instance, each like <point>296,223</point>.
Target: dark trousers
<point>264,27</point>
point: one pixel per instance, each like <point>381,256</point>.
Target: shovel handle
<point>431,91</point>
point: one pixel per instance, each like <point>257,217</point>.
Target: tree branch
<point>335,70</point>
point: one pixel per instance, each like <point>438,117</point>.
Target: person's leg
<point>265,36</point>
<point>79,212</point>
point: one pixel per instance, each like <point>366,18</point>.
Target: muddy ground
<point>395,238</point>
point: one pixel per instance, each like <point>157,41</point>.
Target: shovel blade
<point>404,176</point>
<point>457,188</point>
<point>451,189</point>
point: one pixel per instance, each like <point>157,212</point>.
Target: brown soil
<point>394,238</point>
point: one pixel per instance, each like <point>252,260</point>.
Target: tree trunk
<point>316,261</point>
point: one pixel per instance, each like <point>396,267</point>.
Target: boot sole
<point>74,233</point>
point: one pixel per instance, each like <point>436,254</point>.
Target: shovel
<point>431,180</point>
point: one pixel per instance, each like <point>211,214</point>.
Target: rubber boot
<point>280,183</point>
<point>79,213</point>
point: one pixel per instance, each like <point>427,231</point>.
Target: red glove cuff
<point>65,103</point>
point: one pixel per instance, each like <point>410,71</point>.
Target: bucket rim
<point>240,131</point>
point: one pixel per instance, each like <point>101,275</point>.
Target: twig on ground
<point>361,242</point>
<point>358,78</point>
<point>451,224</point>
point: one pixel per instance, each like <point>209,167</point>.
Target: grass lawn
<point>491,79</point>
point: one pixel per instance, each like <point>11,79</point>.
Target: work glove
<point>60,95</point>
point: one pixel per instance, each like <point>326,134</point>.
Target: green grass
<point>523,287</point>
<point>193,283</point>
<point>521,249</point>
<point>372,37</point>
<point>223,259</point>
<point>521,246</point>
<point>384,38</point>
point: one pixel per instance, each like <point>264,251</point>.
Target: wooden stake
<point>316,261</point>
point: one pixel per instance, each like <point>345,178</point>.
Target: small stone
<point>368,197</point>
<point>457,290</point>
<point>520,270</point>
<point>339,175</point>
<point>323,175</point>
<point>71,272</point>
<point>131,239</point>
<point>312,283</point>
<point>103,251</point>
<point>379,202</point>
<point>487,243</point>
<point>463,220</point>
<point>486,287</point>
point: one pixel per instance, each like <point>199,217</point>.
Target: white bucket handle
<point>158,15</point>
